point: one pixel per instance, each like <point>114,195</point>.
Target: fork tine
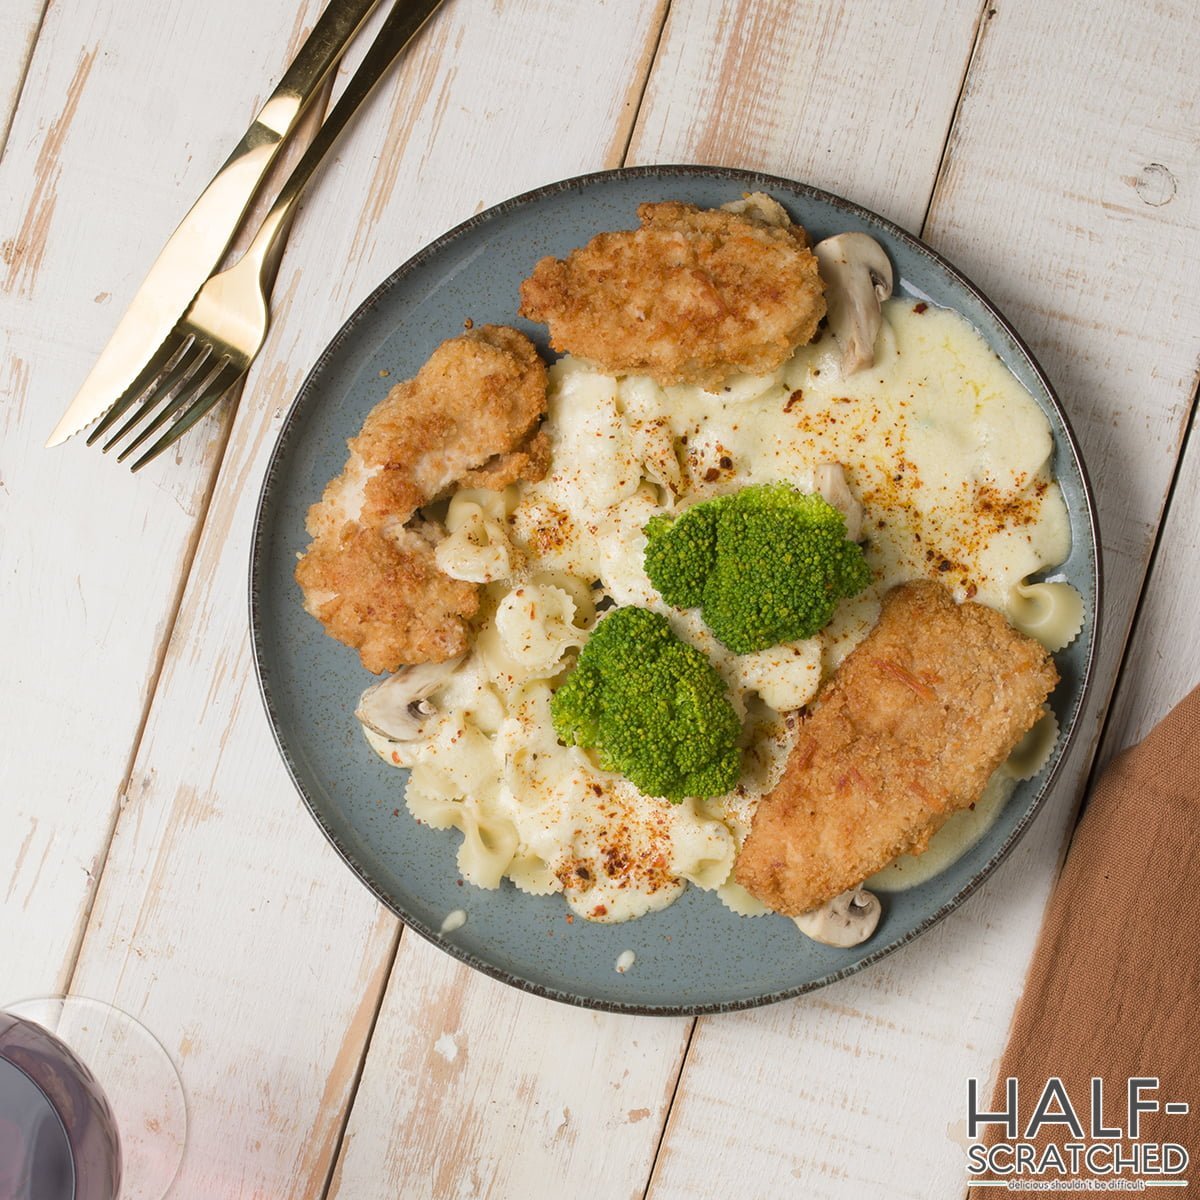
<point>191,366</point>
<point>225,379</point>
<point>163,359</point>
<point>204,368</point>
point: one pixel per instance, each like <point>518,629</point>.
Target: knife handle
<point>229,193</point>
<point>398,29</point>
<point>202,238</point>
<point>339,22</point>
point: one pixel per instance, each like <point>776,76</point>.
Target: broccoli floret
<point>686,558</point>
<point>653,707</point>
<point>765,565</point>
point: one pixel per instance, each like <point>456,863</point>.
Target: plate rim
<point>759,181</point>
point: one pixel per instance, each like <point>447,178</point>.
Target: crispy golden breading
<point>531,462</point>
<point>471,417</point>
<point>907,732</point>
<point>479,398</point>
<point>693,296</point>
<point>387,598</point>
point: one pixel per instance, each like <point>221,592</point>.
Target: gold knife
<point>132,358</point>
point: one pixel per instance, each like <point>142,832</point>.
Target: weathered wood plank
<point>270,1065</point>
<point>19,24</point>
<point>474,1089</point>
<point>865,1089</point>
<point>846,97</point>
<point>269,1022</point>
<point>1163,659</point>
<point>108,149</point>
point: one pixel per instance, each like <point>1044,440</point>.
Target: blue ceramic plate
<point>694,956</point>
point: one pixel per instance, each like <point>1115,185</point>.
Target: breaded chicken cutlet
<point>693,296</point>
<point>470,417</point>
<point>916,719</point>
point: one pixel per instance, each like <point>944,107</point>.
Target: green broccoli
<point>652,706</point>
<point>765,565</point>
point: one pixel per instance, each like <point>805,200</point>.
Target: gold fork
<point>215,341</point>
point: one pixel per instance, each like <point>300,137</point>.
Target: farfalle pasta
<point>938,452</point>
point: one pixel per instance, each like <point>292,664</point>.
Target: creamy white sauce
<point>949,457</point>
<point>625,960</point>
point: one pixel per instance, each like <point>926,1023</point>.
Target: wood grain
<point>20,21</point>
<point>275,1014</point>
<point>860,1091</point>
<point>823,93</point>
<point>106,154</point>
<point>1162,662</point>
<point>1068,190</point>
<point>490,1092</point>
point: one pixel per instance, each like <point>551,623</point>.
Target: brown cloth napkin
<point>1114,990</point>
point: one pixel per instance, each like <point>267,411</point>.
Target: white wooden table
<point>152,850</point>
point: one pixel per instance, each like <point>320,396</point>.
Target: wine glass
<point>91,1106</point>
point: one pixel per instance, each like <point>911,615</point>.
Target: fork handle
<point>197,246</point>
<point>337,24</point>
<point>400,26</point>
<point>214,219</point>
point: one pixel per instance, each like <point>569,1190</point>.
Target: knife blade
<point>133,356</point>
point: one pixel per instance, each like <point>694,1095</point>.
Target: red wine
<point>58,1139</point>
<point>35,1156</point>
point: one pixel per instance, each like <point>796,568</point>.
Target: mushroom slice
<point>401,707</point>
<point>844,921</point>
<point>830,481</point>
<point>858,279</point>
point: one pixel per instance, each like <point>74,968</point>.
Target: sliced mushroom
<point>844,921</point>
<point>858,279</point>
<point>401,707</point>
<point>830,481</point>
